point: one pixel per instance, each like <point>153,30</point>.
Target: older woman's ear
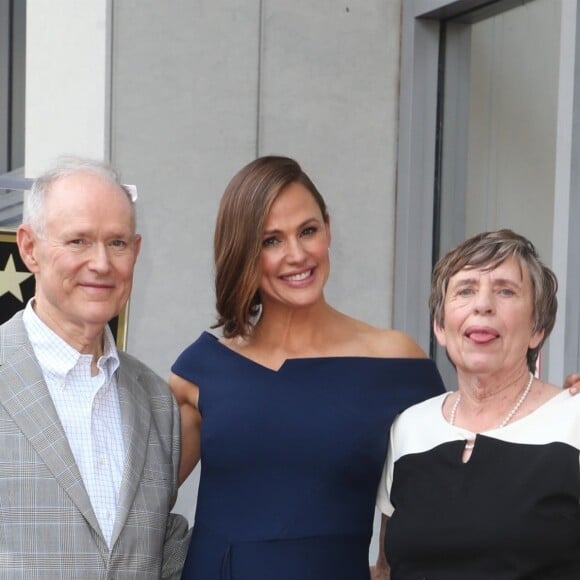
<point>572,382</point>
<point>440,336</point>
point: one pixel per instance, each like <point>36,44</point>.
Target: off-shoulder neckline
<point>307,359</point>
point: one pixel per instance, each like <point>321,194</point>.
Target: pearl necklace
<point>508,417</point>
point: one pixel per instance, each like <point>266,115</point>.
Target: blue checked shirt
<point>88,408</point>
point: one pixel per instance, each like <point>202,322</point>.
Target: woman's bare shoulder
<point>386,342</point>
<point>395,343</point>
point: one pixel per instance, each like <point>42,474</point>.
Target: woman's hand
<point>378,573</point>
<point>572,382</point>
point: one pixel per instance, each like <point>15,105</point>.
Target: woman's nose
<point>295,251</point>
<point>483,300</point>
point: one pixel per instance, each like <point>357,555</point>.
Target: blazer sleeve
<point>177,533</point>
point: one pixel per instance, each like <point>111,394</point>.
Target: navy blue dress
<point>291,460</point>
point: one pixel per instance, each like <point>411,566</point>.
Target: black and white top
<point>512,511</point>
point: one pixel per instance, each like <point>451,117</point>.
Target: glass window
<point>488,139</point>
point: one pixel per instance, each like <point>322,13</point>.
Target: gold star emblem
<point>10,279</point>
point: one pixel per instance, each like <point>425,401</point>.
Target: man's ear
<point>137,242</point>
<point>27,241</point>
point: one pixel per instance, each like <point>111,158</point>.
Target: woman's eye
<point>268,242</point>
<point>309,231</point>
<point>506,292</point>
<point>465,292</point>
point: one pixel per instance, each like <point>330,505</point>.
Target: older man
<point>89,436</point>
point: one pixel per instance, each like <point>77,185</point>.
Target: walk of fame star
<point>10,279</point>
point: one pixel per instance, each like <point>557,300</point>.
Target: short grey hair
<point>486,251</point>
<point>66,166</point>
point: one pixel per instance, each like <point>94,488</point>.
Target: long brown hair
<point>243,209</point>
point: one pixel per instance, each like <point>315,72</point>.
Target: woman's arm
<point>381,570</point>
<point>187,394</point>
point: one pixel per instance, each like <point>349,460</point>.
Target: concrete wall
<point>201,88</point>
<point>67,80</point>
<point>181,94</point>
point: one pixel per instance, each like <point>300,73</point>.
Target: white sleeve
<point>384,492</point>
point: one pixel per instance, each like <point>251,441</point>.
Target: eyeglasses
<point>132,191</point>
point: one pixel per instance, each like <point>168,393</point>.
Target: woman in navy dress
<point>289,410</point>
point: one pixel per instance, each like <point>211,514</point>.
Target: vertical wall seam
<point>108,137</point>
<point>259,79</point>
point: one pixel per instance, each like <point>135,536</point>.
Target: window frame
<point>422,56</point>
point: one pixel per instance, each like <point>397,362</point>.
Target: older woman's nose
<point>483,300</point>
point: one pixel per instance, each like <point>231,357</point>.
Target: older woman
<point>290,408</point>
<point>484,482</point>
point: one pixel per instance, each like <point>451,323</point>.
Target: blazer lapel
<point>136,420</point>
<point>25,396</point>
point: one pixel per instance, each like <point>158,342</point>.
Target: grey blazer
<point>48,529</point>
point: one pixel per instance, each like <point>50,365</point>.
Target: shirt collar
<point>56,357</point>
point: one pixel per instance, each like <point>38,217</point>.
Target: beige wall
<point>67,80</point>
